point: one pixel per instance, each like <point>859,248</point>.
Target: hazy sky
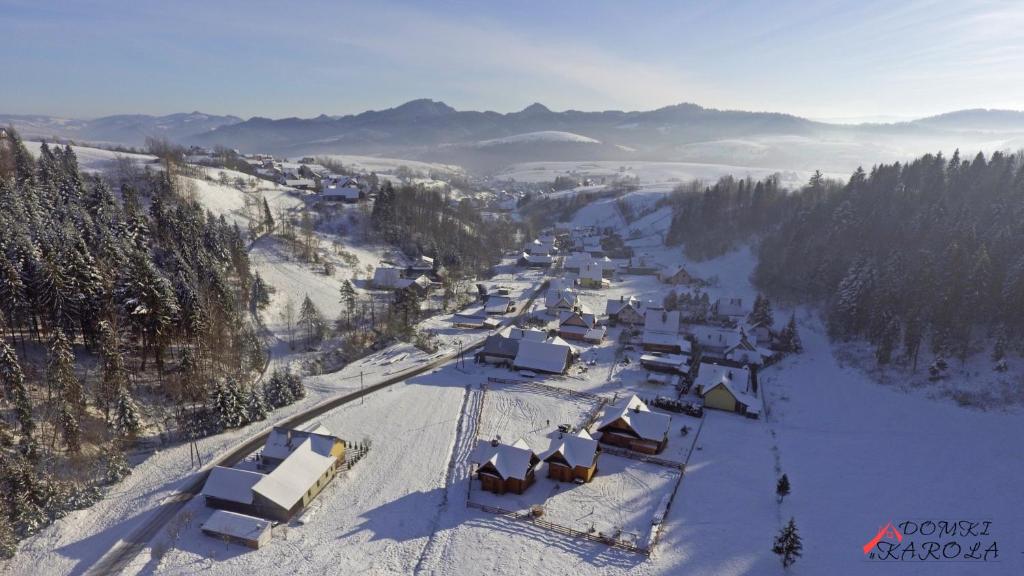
<point>844,58</point>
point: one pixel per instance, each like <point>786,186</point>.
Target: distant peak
<point>536,108</point>
<point>425,106</point>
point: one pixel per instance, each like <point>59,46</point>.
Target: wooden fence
<point>558,528</point>
<point>615,451</point>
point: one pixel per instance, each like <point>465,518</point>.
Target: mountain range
<point>434,131</point>
<point>123,129</point>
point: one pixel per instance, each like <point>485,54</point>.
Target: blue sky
<point>825,59</point>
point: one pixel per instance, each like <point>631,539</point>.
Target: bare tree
<point>288,317</point>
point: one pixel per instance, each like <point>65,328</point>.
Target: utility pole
<point>362,398</point>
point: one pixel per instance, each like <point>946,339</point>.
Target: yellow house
<point>720,397</point>
<point>724,396</point>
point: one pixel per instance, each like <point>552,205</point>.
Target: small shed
<point>238,528</point>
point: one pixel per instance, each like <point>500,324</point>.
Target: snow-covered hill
<point>541,136</point>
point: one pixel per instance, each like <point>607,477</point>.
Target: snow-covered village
<point>436,341</point>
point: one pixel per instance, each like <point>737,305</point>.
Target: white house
<point>550,356</point>
<point>661,332</point>
<point>385,278</point>
<point>559,299</point>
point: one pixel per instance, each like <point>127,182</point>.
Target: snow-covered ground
<point>648,172</point>
<point>96,159</point>
<point>542,136</point>
<point>858,454</point>
<point>389,165</point>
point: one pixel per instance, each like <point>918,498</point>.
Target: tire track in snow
<point>458,466</point>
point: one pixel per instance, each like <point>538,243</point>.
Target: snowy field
<point>512,412</point>
<point>648,172</point>
<point>389,165</point>
<point>96,159</point>
<point>375,519</point>
<point>620,501</point>
<point>860,454</point>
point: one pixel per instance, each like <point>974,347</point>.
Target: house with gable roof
<point>572,457</point>
<point>635,427</point>
<point>302,461</point>
<point>507,467</point>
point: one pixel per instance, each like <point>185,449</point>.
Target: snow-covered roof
<point>231,484</point>
<point>578,449</point>
<point>512,461</point>
<point>536,258</point>
<point>283,441</point>
<point>498,345</point>
<point>592,271</point>
<point>577,318</point>
<point>711,374</point>
<point>752,403</point>
<point>675,361</point>
<point>347,192</point>
<point>293,477</point>
<point>561,297</point>
<point>577,260</point>
<point>660,320</point>
<point>615,306</point>
<point>714,336</point>
<point>665,339</point>
<point>543,356</point>
<point>236,525</point>
<point>498,304</point>
<point>646,424</point>
<point>387,277</point>
<point>527,334</point>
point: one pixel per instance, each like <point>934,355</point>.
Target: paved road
<point>120,556</point>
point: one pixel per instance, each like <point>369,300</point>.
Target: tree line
<point>925,253</point>
<point>116,308</point>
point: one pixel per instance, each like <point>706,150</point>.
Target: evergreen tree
<point>227,404</point>
<point>788,545</point>
<point>789,338</point>
<point>277,391</point>
<point>268,219</point>
<point>112,368</point>
<point>256,408</point>
<point>671,301</point>
<point>887,341</point>
<point>126,415</point>
<point>15,389</point>
<point>311,320</point>
<point>8,541</point>
<point>294,383</point>
<point>348,297</point>
<point>938,368</point>
<point>260,297</point>
<point>912,336</point>
<point>782,487</point>
<point>68,397</point>
<point>762,312</point>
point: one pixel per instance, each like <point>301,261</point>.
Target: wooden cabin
<point>572,458</point>
<point>510,468</point>
<point>635,427</point>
